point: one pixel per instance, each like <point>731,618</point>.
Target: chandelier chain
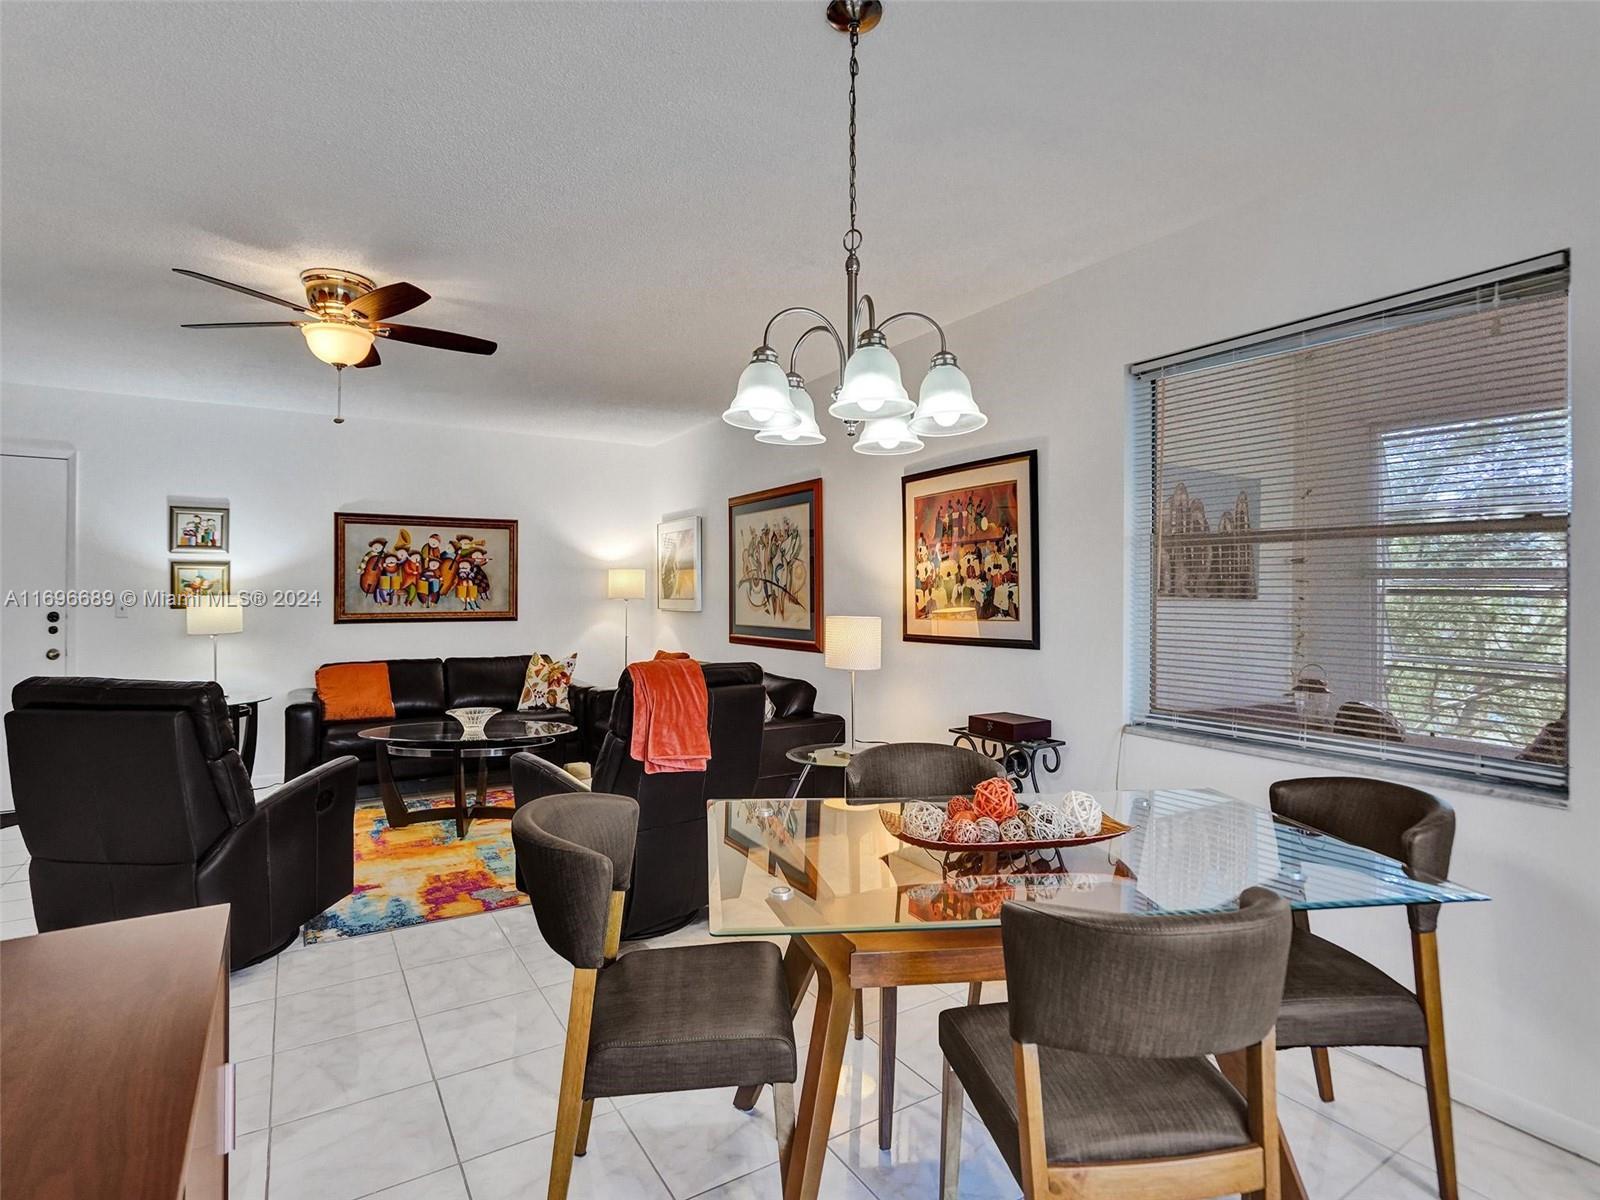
<point>852,237</point>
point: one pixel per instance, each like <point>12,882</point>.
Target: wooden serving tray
<point>1110,828</point>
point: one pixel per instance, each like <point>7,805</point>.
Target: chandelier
<point>870,399</point>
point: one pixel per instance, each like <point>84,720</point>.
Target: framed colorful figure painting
<point>196,527</point>
<point>678,565</point>
<point>401,568</point>
<point>971,553</point>
<point>775,567</point>
<point>202,579</point>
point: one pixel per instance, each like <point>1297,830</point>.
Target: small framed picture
<point>678,562</point>
<point>192,578</point>
<point>190,527</point>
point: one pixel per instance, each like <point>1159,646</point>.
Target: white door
<point>33,564</point>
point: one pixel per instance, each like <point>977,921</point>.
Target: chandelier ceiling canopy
<point>871,400</point>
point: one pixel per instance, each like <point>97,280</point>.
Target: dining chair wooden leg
<point>1261,1071</point>
<point>830,1031</point>
<point>1324,1069</point>
<point>888,1020</point>
<point>1435,1066</point>
<point>860,1015</point>
<point>584,1118</point>
<point>975,992</point>
<point>797,972</point>
<point>783,1123</point>
<point>1236,1068</point>
<point>569,1104</point>
<point>1030,1121</point>
<point>950,1137</point>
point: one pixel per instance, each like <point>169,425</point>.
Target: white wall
<point>284,475</point>
<point>1522,974</point>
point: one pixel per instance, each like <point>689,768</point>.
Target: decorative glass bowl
<point>472,721</point>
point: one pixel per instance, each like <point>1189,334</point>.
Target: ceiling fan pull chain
<point>338,404</point>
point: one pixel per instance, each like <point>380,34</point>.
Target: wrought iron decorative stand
<point>1022,760</point>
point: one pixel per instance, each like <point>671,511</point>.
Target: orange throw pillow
<point>355,691</point>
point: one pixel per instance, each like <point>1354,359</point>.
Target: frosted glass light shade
<point>853,643</point>
<point>871,387</point>
<point>945,405</point>
<point>804,431</point>
<point>625,583</point>
<point>336,343</point>
<point>211,615</point>
<point>762,399</point>
<point>889,436</point>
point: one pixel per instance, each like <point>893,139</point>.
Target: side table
<point>244,713</point>
<point>1021,760</point>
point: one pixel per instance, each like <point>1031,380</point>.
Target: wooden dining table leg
<point>797,972</point>
<point>830,1032</point>
<point>1235,1067</point>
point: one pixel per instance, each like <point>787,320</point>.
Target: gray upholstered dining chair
<point>890,771</point>
<point>1093,1077</point>
<point>1335,998</point>
<point>677,1019</point>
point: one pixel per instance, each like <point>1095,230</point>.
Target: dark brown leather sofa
<point>133,800</point>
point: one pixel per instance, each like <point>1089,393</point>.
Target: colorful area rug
<point>423,872</point>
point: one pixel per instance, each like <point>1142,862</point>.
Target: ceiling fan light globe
<point>337,343</point>
<point>945,405</point>
<point>761,400</point>
<point>871,388</point>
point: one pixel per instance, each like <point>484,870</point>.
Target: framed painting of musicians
<point>406,568</point>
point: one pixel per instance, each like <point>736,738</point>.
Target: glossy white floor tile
<point>1402,1179</point>
<point>1331,1158</point>
<point>476,1035</point>
<point>436,941</point>
<point>361,1148</point>
<point>458,982</point>
<point>725,1142</point>
<point>342,961</point>
<point>1376,1103</point>
<point>441,1185</point>
<point>259,982</point>
<point>837,1184</point>
<point>247,1167</point>
<point>910,1170</point>
<point>505,1102</point>
<point>250,1030</point>
<point>345,1070</point>
<point>252,1094</point>
<point>1506,1164</point>
<point>615,1167</point>
<point>342,1008</point>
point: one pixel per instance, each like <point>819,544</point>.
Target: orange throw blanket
<point>671,727</point>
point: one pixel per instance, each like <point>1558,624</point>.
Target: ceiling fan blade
<point>372,359</point>
<point>388,301</point>
<point>239,287</point>
<point>438,339</point>
<point>246,325</point>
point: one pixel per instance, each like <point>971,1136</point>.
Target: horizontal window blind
<point>1350,534</point>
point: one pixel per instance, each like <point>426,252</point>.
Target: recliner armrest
<point>302,732</point>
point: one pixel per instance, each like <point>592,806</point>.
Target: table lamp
<point>213,616</point>
<point>853,644</point>
<point>625,584</point>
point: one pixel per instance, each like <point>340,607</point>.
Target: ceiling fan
<point>345,314</point>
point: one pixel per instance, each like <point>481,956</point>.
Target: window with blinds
<point>1350,534</point>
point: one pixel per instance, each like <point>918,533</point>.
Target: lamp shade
<point>337,343</point>
<point>891,435</point>
<point>853,643</point>
<point>871,387</point>
<point>762,398</point>
<point>625,583</point>
<point>211,615</point>
<point>804,431</point>
<point>945,404</point>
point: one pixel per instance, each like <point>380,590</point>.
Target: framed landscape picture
<point>678,565</point>
<point>403,568</point>
<point>971,553</point>
<point>195,527</point>
<point>775,567</point>
<point>196,578</point>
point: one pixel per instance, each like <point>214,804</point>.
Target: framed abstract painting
<point>678,565</point>
<point>198,579</point>
<point>971,553</point>
<point>401,568</point>
<point>775,567</point>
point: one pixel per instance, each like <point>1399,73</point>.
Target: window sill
<point>1355,765</point>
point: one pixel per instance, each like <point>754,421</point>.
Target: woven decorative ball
<point>1025,815</point>
<point>922,820</point>
<point>957,805</point>
<point>988,829</point>
<point>1083,814</point>
<point>1049,822</point>
<point>995,799</point>
<point>1014,829</point>
<point>960,828</point>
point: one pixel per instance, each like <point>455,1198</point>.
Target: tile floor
<point>423,1065</point>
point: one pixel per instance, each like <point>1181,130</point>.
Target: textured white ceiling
<point>621,193</point>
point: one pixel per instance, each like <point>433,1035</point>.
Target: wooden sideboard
<point>113,1060</point>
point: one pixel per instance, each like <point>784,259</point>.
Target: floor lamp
<point>625,584</point>
<point>213,616</point>
<point>853,644</point>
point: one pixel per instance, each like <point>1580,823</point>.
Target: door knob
<point>52,654</point>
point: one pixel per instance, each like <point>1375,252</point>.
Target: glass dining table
<point>863,906</point>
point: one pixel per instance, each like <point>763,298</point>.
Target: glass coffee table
<point>447,741</point>
<point>822,754</point>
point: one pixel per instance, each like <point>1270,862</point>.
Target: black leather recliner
<point>133,800</point>
<point>669,874</point>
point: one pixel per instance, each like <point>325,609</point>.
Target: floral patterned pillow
<point>547,681</point>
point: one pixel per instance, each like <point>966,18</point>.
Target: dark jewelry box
<point>1009,726</point>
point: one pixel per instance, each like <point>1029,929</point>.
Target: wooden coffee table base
<point>844,963</point>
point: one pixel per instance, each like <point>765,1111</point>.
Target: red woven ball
<point>995,799</point>
<point>957,805</point>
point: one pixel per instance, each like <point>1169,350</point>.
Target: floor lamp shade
<point>853,643</point>
<point>212,616</point>
<point>625,583</point>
